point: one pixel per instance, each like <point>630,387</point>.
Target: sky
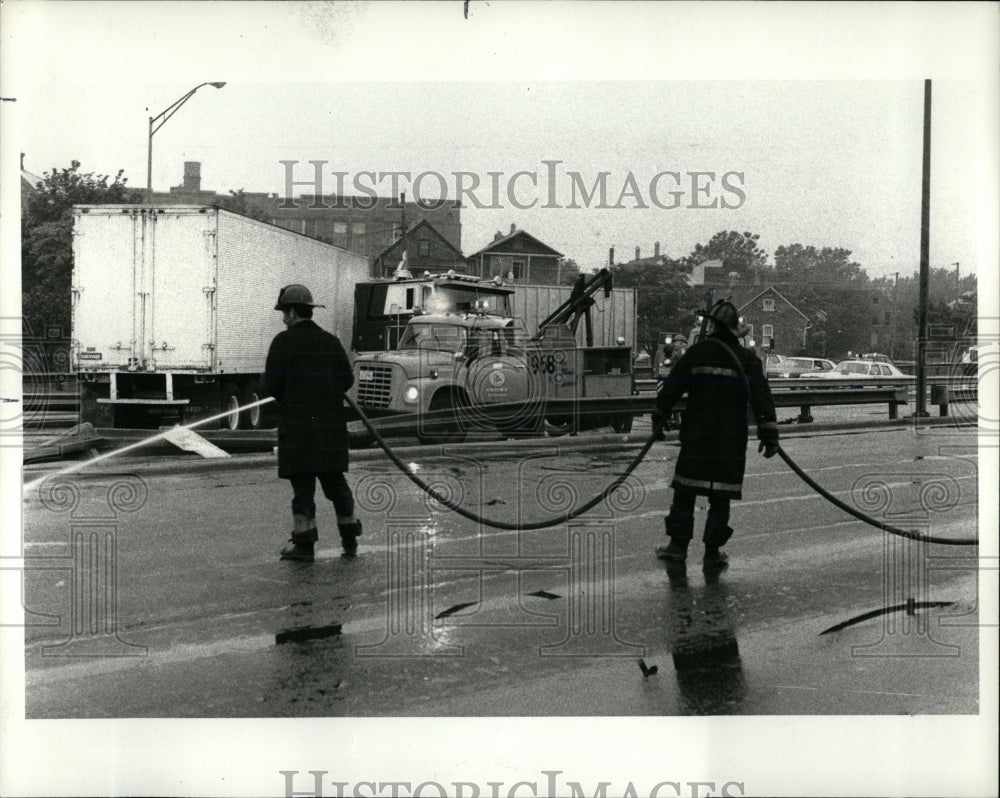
<point>817,108</point>
<point>817,159</point>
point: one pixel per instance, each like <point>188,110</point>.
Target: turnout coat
<point>714,423</point>
<point>307,372</point>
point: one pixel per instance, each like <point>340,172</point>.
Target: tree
<point>834,291</point>
<point>664,300</point>
<point>739,252</point>
<point>239,202</point>
<point>47,240</point>
<point>569,270</point>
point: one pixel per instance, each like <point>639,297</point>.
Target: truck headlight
<point>412,395</point>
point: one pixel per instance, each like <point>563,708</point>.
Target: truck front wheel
<point>448,431</point>
<point>622,424</point>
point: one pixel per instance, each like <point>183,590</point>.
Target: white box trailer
<point>612,317</point>
<point>173,308</point>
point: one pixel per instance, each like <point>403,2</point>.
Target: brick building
<point>365,225</point>
<point>775,323</point>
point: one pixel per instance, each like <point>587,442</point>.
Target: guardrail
<point>61,407</point>
<point>942,390</point>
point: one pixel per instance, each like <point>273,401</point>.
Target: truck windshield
<point>443,337</point>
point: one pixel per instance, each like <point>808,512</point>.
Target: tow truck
<point>466,360</point>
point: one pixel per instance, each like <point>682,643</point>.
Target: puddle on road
<point>701,636</point>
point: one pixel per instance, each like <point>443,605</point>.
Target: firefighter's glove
<point>769,448</point>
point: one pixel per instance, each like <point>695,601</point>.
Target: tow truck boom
<point>579,304</point>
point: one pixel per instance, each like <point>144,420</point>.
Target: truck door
<point>497,368</point>
<point>180,275</point>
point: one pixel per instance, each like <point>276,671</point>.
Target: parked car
<point>876,357</point>
<point>854,369</point>
<point>798,366</point>
<point>772,364</point>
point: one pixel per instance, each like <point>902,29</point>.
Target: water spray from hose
<point>144,442</point>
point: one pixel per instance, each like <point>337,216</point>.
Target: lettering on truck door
<point>497,370</point>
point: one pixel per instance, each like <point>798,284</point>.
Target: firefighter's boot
<point>303,540</point>
<point>350,531</point>
<point>680,535</point>
<point>717,534</point>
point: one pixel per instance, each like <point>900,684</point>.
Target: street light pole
<point>158,121</point>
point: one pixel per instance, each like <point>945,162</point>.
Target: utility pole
<point>925,225</point>
<point>958,282</point>
<point>892,327</point>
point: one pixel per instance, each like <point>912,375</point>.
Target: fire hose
<point>614,485</point>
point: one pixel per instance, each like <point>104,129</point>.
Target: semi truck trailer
<point>173,309</point>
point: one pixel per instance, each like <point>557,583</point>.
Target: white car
<point>854,369</point>
<point>798,366</point>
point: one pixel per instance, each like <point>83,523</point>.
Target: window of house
<point>769,303</point>
<point>874,338</point>
<point>397,232</point>
<point>340,234</point>
<point>424,247</point>
<point>888,317</point>
<point>496,266</point>
<point>767,335</point>
<point>749,330</point>
<point>517,267</point>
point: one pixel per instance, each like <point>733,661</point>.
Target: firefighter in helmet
<point>307,372</point>
<point>713,431</point>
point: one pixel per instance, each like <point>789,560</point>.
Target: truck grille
<point>374,392</point>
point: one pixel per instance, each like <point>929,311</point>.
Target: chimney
<point>192,176</point>
<point>637,253</point>
<point>656,249</point>
<point>513,229</point>
<point>497,236</point>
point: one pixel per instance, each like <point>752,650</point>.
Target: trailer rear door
<point>181,280</point>
<point>107,269</point>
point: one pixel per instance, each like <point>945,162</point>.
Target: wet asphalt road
<point>169,602</point>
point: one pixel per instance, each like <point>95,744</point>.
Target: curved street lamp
<point>158,121</point>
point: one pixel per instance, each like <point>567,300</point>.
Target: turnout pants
<point>680,521</point>
<point>334,486</point>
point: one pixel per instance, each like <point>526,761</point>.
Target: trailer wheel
<point>446,431</point>
<point>230,402</point>
<point>252,418</point>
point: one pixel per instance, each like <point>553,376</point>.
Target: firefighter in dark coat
<point>713,432</point>
<point>307,372</point>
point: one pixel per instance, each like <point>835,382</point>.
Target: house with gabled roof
<point>517,257</point>
<point>426,250</point>
<point>776,324</point>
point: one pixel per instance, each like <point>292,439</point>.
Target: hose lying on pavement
<point>833,499</point>
<point>479,519</point>
<point>611,488</point>
<point>868,519</point>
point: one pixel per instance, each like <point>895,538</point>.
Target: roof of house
<point>499,242</point>
<point>413,229</point>
<point>740,304</point>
